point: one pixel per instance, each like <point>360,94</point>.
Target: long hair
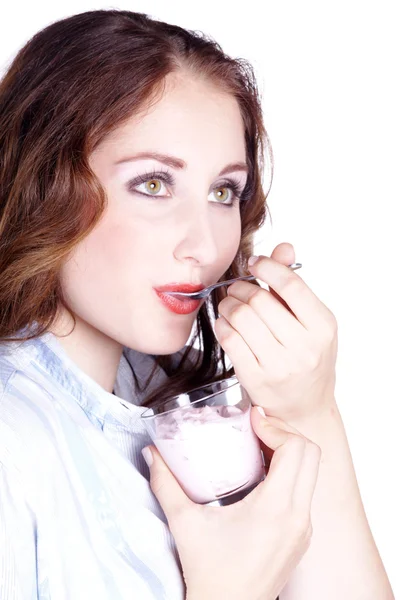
<point>67,88</point>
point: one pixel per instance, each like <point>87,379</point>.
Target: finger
<point>307,478</point>
<point>280,424</point>
<point>284,327</point>
<point>250,327</point>
<point>308,474</point>
<point>236,348</point>
<point>287,459</point>
<point>164,486</point>
<point>307,307</point>
<point>284,253</point>
<point>284,304</point>
<point>251,349</point>
<point>277,422</point>
<point>268,453</point>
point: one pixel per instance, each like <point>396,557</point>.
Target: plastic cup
<point>206,439</point>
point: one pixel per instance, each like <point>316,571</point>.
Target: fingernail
<point>252,260</point>
<point>261,411</point>
<point>147,455</point>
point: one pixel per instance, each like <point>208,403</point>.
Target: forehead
<point>189,115</point>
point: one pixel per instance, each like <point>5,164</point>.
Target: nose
<point>197,235</point>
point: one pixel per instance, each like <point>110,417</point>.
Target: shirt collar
<point>54,367</point>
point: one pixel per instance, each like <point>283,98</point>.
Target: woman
<point>132,157</point>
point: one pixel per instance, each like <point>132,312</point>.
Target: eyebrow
<point>178,163</point>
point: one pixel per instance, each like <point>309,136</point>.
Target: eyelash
<point>167,177</point>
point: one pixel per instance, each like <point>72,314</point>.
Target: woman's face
<point>182,226</point>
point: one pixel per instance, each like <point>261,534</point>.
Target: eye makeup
<point>166,177</point>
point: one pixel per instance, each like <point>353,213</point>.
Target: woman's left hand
<point>282,343</point>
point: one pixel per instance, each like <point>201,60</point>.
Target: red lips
<point>180,306</point>
<point>180,287</point>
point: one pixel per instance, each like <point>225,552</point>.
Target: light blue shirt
<point>78,520</point>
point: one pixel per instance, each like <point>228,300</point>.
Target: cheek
<point>229,241</point>
<point>104,264</point>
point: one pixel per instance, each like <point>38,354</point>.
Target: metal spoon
<point>207,291</point>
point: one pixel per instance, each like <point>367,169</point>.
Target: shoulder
<point>7,370</point>
<point>27,419</point>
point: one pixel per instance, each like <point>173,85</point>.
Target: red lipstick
<point>178,305</point>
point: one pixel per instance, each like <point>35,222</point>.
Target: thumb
<point>284,253</point>
<point>164,485</point>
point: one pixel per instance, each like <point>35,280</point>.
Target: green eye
<point>228,193</point>
<point>153,186</point>
<point>222,197</point>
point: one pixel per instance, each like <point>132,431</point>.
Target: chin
<point>162,344</point>
<point>168,347</point>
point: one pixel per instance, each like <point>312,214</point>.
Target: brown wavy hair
<point>69,86</point>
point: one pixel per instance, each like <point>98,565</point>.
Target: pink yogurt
<point>212,450</point>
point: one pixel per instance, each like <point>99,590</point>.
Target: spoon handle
<point>293,267</point>
<point>229,281</point>
<point>207,291</point>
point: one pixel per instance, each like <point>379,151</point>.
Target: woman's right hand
<point>246,550</point>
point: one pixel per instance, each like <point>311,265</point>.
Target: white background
<point>329,75</point>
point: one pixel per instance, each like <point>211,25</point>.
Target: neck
<point>92,351</point>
